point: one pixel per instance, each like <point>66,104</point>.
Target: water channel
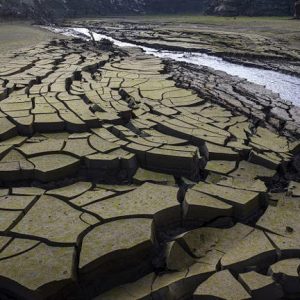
<point>287,86</point>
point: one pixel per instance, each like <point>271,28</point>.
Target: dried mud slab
<point>260,286</point>
<point>110,250</point>
<point>154,201</point>
<point>221,286</point>
<point>25,261</point>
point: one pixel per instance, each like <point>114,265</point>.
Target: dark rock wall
<point>43,9</point>
<point>297,9</point>
<point>254,7</point>
<point>40,10</point>
<point>104,7</point>
<point>178,6</point>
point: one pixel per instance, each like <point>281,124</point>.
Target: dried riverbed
<point>126,176</point>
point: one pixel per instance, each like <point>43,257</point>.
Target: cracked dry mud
<point>118,184</point>
<point>243,45</point>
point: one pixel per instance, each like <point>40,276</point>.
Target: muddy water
<point>288,87</point>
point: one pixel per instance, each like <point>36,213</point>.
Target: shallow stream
<point>287,86</point>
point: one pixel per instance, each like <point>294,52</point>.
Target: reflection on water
<point>287,86</point>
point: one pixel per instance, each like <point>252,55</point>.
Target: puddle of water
<point>288,87</point>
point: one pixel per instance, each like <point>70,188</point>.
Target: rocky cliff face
<point>48,10</point>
